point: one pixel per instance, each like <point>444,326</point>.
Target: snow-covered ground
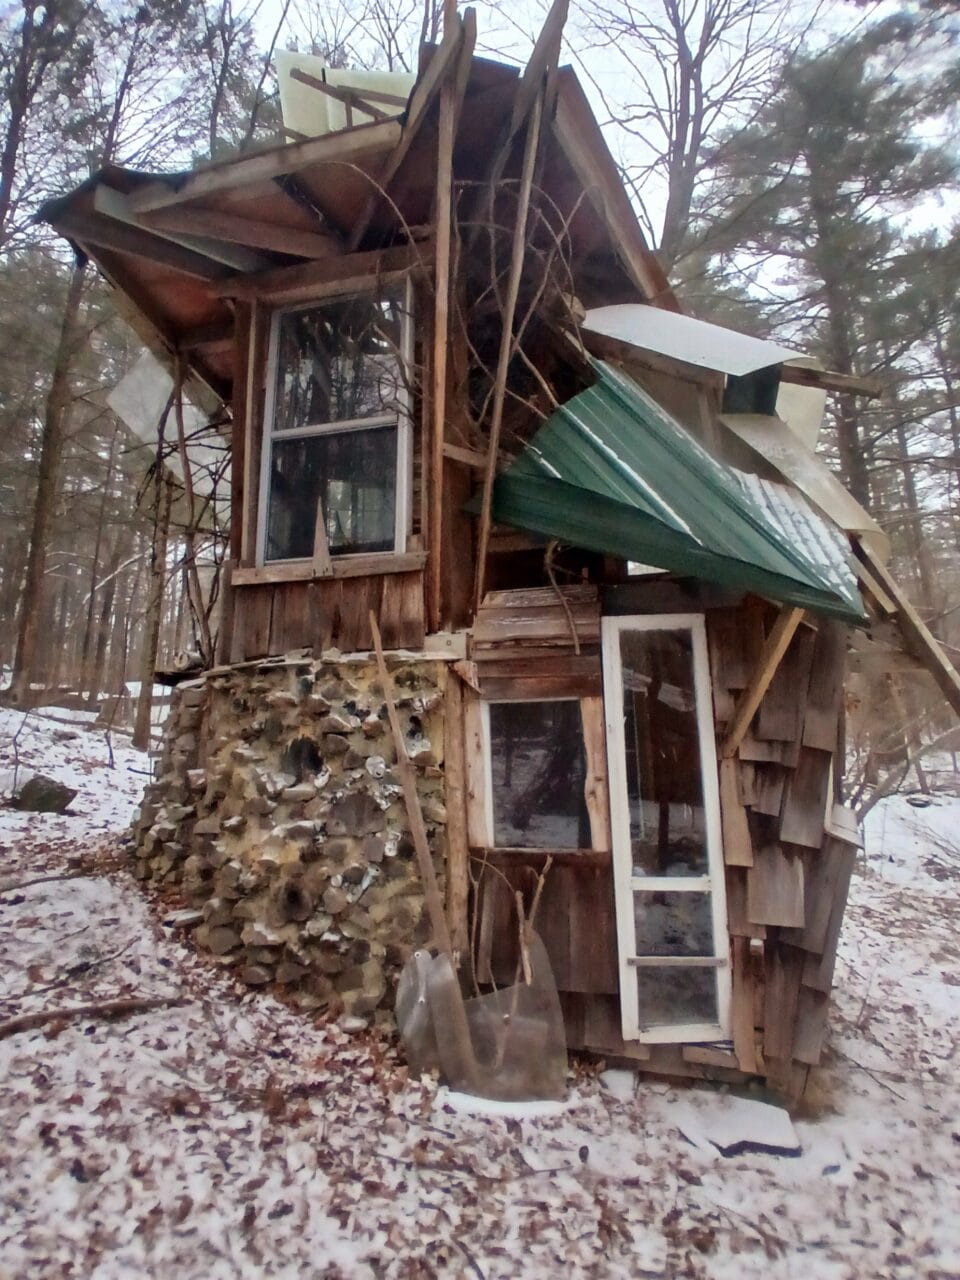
<point>230,1137</point>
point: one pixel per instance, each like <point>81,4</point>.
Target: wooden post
<point>455,783</point>
<point>507,341</point>
<point>774,647</point>
<point>151,637</point>
<point>441,325</point>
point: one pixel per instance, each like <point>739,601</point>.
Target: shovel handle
<point>408,780</point>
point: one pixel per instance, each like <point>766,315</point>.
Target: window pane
<point>355,475</point>
<point>664,785</point>
<point>539,769</point>
<point>338,361</point>
<point>672,997</point>
<point>673,924</point>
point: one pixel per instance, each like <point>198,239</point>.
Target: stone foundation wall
<point>277,813</point>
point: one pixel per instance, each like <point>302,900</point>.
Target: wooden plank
<point>710,1056</point>
<point>412,626</point>
<point>737,846</point>
<point>774,648</point>
<point>595,785</point>
<point>825,689</point>
<point>505,856</point>
<point>813,1008</point>
<point>534,688</point>
<point>344,145</point>
<point>217,225</point>
<point>114,204</point>
<point>847,383</point>
<point>341,567</point>
<point>312,281</point>
<point>421,99</point>
<point>783,968</point>
<point>469,457</point>
<point>827,879</point>
<point>805,799</point>
<point>351,98</point>
<point>739,924</point>
<point>775,888</point>
<point>780,715</point>
<point>238,430</point>
<point>254,392</point>
<point>742,1004</point>
<point>475,754</point>
<point>252,616</point>
<point>290,622</point>
<point>457,887</point>
<point>769,781</point>
<point>321,563</point>
<point>917,636</point>
<point>108,233</point>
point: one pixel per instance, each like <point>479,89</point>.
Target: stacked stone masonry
<point>276,812</point>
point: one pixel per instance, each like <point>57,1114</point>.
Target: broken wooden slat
<point>775,646</point>
<point>812,1009</point>
<point>768,783</point>
<point>742,1004</point>
<point>805,799</point>
<point>825,688</point>
<point>827,878</point>
<point>784,965</point>
<point>475,755</point>
<point>775,888</point>
<point>359,566</point>
<point>739,924</point>
<point>236,229</point>
<point>737,847</point>
<point>457,885</point>
<point>780,715</point>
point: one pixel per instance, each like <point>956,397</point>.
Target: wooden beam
<point>360,566</point>
<point>424,91</point>
<point>346,145</point>
<point>852,384</point>
<point>351,98</point>
<point>774,647</point>
<point>455,783</point>
<point>113,204</point>
<point>108,233</point>
<point>507,343</point>
<point>469,457</point>
<point>917,636</point>
<point>239,230</point>
<point>443,219</point>
<point>218,334</point>
<point>309,279</point>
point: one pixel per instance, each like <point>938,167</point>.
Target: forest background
<point>794,166</point>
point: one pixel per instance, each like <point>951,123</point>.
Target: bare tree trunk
<point>93,673</point>
<point>151,638</point>
<point>51,456</point>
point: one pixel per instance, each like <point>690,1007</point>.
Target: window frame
<point>403,418</point>
<point>488,810</point>
<point>626,884</point>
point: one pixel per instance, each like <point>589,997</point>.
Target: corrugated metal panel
<point>697,342</point>
<point>611,471</point>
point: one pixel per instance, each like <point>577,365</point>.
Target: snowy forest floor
<point>229,1137</point>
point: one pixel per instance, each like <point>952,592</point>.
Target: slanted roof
<point>613,472</point>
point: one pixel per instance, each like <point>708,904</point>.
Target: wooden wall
<point>327,613</point>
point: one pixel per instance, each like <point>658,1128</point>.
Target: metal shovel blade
<point>509,1045</point>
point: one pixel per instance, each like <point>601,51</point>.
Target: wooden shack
<point>614,583</point>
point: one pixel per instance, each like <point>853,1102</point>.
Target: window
<point>668,861</point>
<point>538,772</point>
<point>337,428</point>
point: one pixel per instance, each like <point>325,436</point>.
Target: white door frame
<point>626,884</point>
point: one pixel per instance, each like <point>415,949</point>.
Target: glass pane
<point>338,361</point>
<point>539,769</point>
<point>672,997</point>
<point>673,924</point>
<point>354,473</point>
<point>664,785</point>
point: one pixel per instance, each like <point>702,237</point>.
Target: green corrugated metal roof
<point>612,471</point>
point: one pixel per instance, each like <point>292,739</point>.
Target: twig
<point>99,1009</point>
<point>74,971</point>
<point>25,884</point>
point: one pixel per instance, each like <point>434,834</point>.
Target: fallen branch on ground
<point>100,1009</point>
<point>97,869</point>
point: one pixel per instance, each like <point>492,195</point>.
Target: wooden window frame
<point>599,824</point>
<point>626,884</point>
<point>365,561</point>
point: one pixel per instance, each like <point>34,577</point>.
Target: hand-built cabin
<point>613,581</point>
